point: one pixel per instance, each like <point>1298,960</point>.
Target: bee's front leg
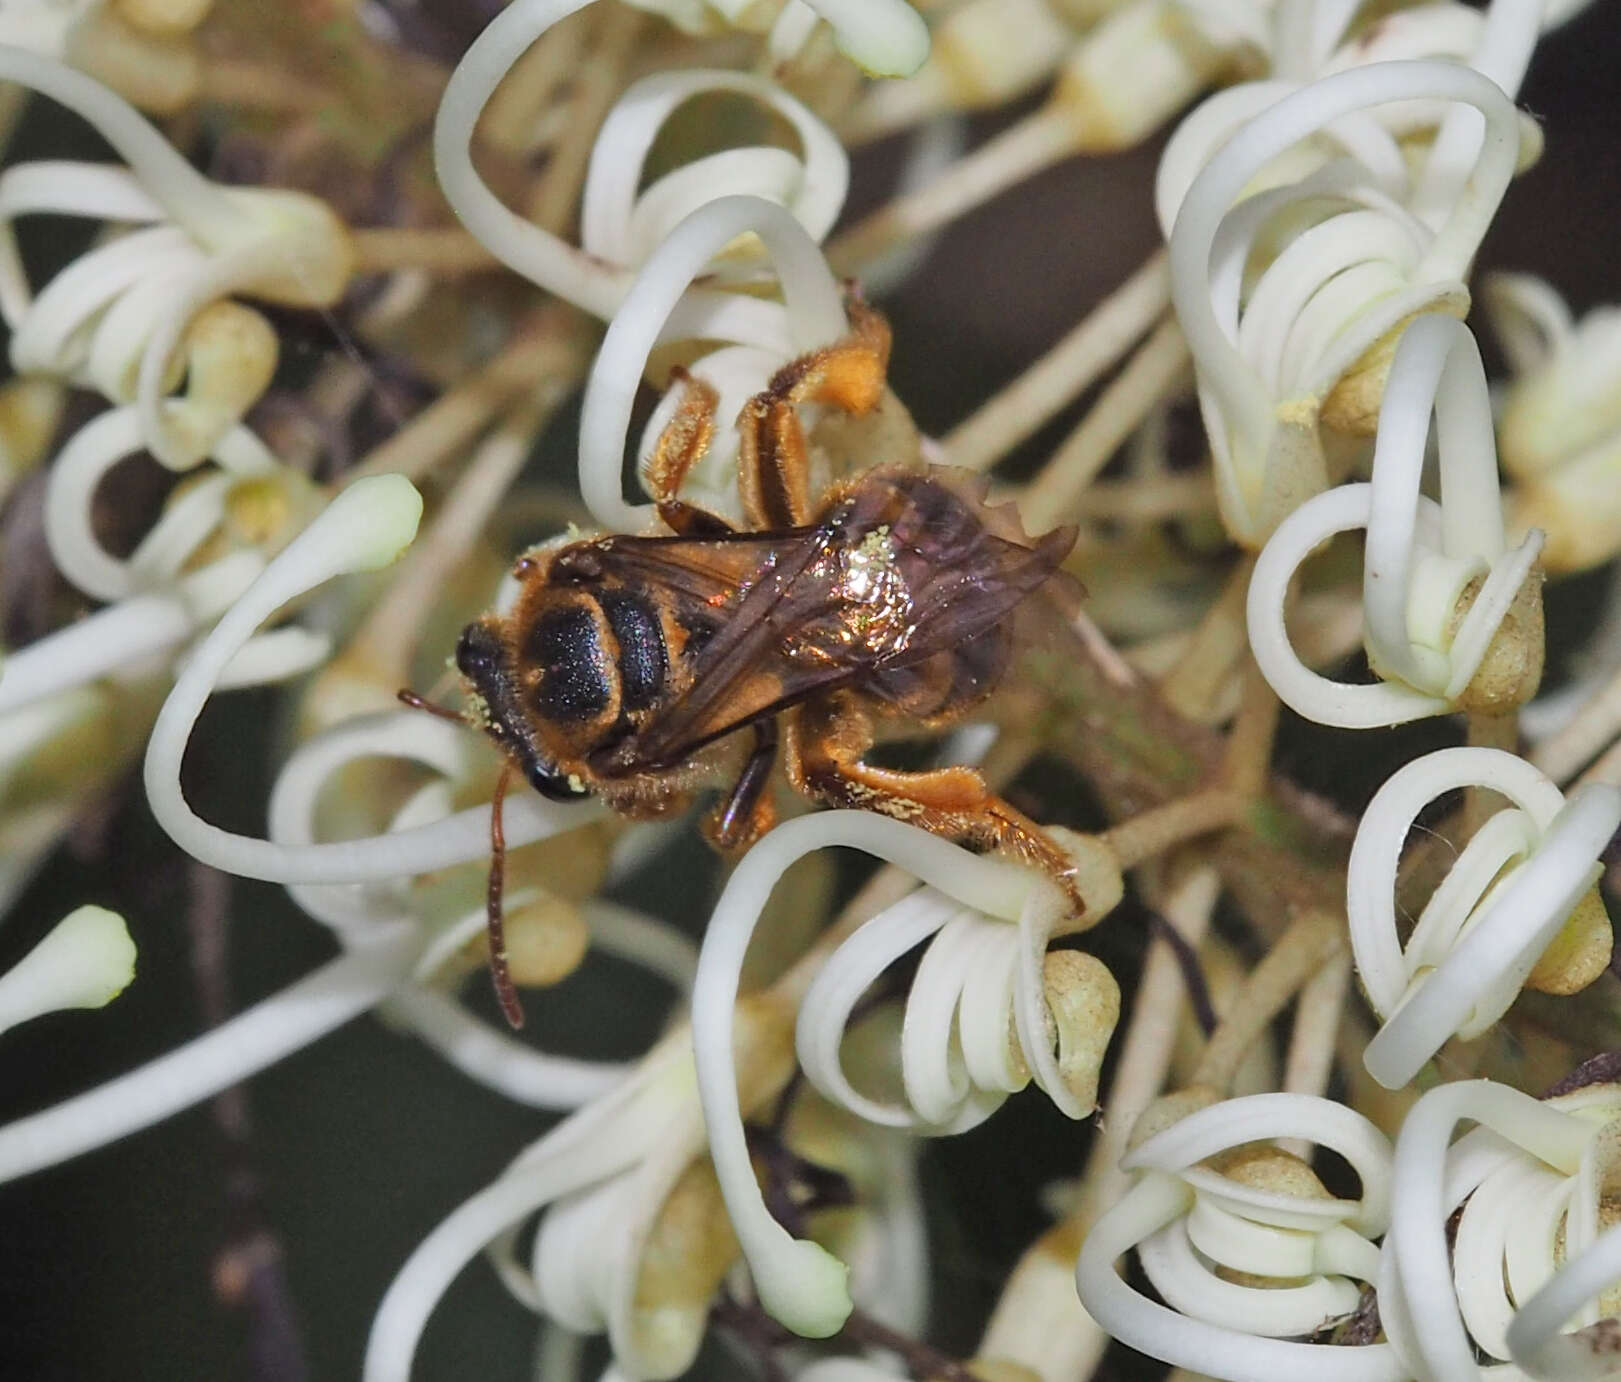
<point>773,456</point>
<point>825,742</point>
<point>680,446</point>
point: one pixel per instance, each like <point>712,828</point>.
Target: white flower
<point>1214,1196</point>
<point>1530,1256</point>
<point>1515,905</point>
<point>812,315</point>
<point>1561,428</point>
<point>117,318</point>
<point>798,1282</point>
<point>1452,614</point>
<point>619,223</point>
<point>961,1049</point>
<point>1285,293</point>
<point>887,38</point>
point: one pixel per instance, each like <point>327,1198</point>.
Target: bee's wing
<point>789,636</point>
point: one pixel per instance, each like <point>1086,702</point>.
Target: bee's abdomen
<point>644,661</point>
<point>573,679</point>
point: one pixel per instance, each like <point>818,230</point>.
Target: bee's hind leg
<point>747,812</point>
<point>823,757</point>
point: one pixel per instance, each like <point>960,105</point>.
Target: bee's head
<point>482,657</point>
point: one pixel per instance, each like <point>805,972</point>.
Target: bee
<point>635,668</point>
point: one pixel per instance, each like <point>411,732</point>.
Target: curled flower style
<point>961,1051</point>
<point>1561,429</point>
<point>1214,1198</point>
<point>1452,614</point>
<point>622,222</point>
<point>551,917</point>
<point>363,529</point>
<point>619,226</point>
<point>799,1282</point>
<point>1300,337</point>
<point>813,316</point>
<point>1517,907</point>
<point>1531,1263</point>
<point>85,961</point>
<point>639,1255</point>
<point>129,319</point>
<point>402,920</point>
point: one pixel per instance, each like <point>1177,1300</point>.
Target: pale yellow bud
<point>1352,405</point>
<point>1578,505</point>
<point>307,255</point>
<point>991,51</point>
<point>30,408</point>
<point>1169,1109</point>
<point>158,73</point>
<point>1095,876</point>
<point>1084,1001</point>
<point>1511,671</point>
<point>229,359</point>
<point>163,16</point>
<point>546,941</point>
<point>688,1252</point>
<point>1572,403</point>
<point>1132,73</point>
<point>1579,954</point>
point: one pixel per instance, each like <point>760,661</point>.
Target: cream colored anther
<point>227,360</point>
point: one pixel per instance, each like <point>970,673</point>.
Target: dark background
<point>364,1142</point>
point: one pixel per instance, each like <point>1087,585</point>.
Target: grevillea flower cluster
<point>1330,1070</point>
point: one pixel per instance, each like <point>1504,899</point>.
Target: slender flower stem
<point>1036,142</point>
<point>542,346</point>
<point>1314,1037</point>
<point>1249,743</point>
<point>1148,376</point>
<point>1194,685</point>
<point>1162,829</point>
<point>1076,361</point>
<point>442,251</point>
<point>1593,729</point>
<point>1310,942</point>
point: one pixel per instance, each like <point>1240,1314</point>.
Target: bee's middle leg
<point>823,754</point>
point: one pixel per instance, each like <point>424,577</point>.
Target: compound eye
<point>553,785</point>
